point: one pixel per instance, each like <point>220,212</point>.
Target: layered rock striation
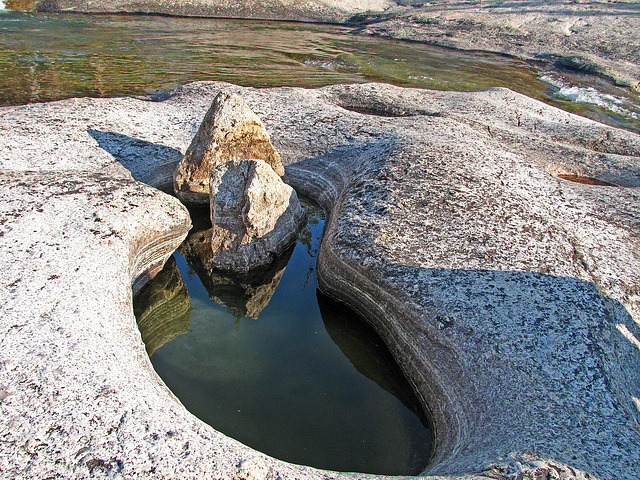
<point>508,294</point>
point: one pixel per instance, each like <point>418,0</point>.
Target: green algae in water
<point>46,57</point>
<point>298,377</point>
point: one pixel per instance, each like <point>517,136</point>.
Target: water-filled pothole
<point>275,364</point>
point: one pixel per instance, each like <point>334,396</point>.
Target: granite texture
<point>509,296</point>
<point>229,131</point>
<point>326,11</point>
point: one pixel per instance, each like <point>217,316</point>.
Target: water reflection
<point>242,295</point>
<point>163,308</point>
<point>368,354</point>
<point>306,383</point>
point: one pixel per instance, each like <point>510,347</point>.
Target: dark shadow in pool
<point>150,163</point>
<point>368,354</point>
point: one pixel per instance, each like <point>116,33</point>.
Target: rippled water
<point>48,57</point>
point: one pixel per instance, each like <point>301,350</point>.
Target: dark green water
<point>273,363</point>
<point>48,57</point>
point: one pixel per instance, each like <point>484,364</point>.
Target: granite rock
<point>255,215</point>
<point>229,131</point>
<point>325,11</point>
<point>508,294</point>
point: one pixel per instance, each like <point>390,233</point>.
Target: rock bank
<point>327,11</point>
<point>509,295</point>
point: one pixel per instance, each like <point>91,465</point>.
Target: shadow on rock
<point>148,162</point>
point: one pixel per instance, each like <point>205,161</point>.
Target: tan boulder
<point>254,214</point>
<point>230,131</point>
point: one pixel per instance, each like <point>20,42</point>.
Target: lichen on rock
<point>254,214</point>
<point>230,131</point>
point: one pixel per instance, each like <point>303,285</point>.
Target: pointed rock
<point>230,131</point>
<point>254,214</point>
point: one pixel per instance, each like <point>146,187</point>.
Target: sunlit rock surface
<point>229,131</point>
<point>509,295</point>
<point>255,215</point>
<point>296,10</point>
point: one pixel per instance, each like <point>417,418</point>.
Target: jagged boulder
<point>254,214</point>
<point>230,131</point>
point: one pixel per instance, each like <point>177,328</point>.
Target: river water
<point>48,57</point>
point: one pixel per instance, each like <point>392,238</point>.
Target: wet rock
<point>163,308</point>
<point>229,131</point>
<point>255,215</point>
<point>242,295</point>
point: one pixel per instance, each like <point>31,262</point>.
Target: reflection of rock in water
<point>368,353</point>
<point>243,295</point>
<point>163,308</point>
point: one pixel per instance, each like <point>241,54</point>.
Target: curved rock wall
<point>509,295</point>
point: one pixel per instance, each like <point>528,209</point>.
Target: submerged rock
<point>230,131</point>
<point>255,215</point>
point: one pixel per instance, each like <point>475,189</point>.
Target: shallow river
<point>47,57</point>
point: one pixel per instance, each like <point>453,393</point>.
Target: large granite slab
<point>509,295</point>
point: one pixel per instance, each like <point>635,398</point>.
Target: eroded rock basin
<point>508,294</point>
<point>272,362</point>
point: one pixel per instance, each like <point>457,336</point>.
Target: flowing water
<point>47,57</point>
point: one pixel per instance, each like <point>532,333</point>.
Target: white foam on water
<point>618,105</point>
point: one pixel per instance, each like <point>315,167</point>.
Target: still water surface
<point>280,367</point>
<point>48,57</point>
